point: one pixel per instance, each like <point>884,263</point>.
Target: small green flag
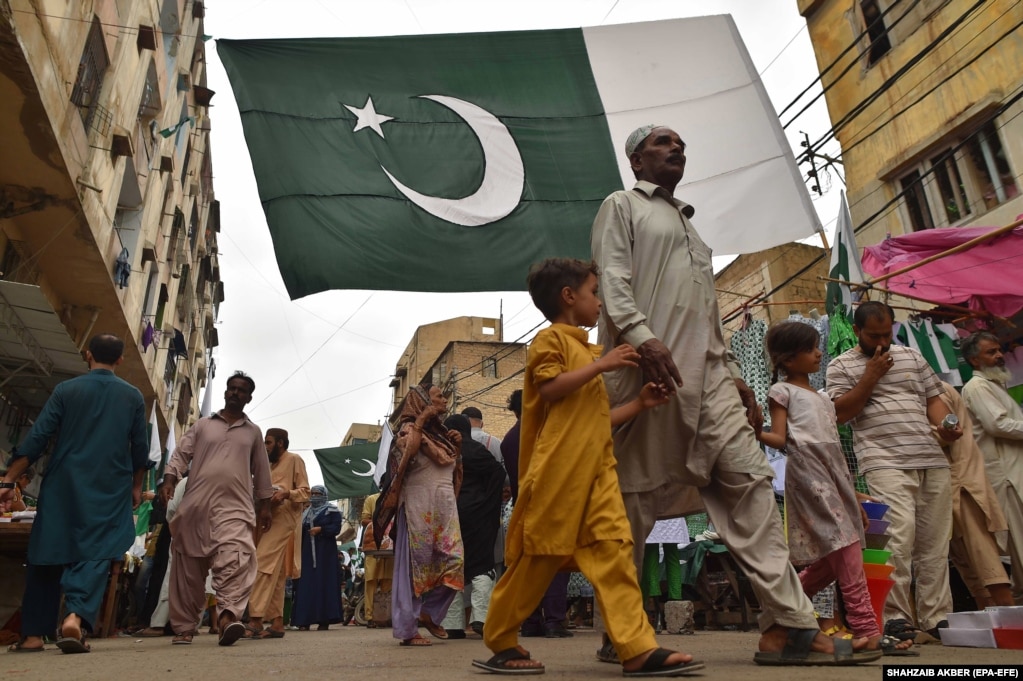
<point>845,264</point>
<point>348,471</point>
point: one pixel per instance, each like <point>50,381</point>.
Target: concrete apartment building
<point>108,220</point>
<point>468,358</point>
<point>926,105</point>
<point>361,434</point>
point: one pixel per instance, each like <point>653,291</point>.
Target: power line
<point>855,43</point>
<point>892,79</point>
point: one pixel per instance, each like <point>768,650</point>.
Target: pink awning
<point>989,276</point>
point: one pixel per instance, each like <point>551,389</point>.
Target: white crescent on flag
<point>503,173</point>
<point>369,473</point>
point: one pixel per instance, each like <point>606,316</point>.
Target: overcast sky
<point>324,362</point>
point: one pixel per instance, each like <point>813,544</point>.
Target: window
<point>963,179</point>
<point>489,367</point>
<point>876,30</point>
<point>443,369</point>
<point>91,69</point>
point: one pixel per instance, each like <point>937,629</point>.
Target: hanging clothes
<point>748,346</point>
<point>147,336</point>
<point>122,268</point>
<point>937,346</point>
<point>823,326</point>
<point>841,336</point>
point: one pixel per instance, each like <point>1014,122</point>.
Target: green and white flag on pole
<point>845,263</point>
<point>453,162</point>
<point>348,471</point>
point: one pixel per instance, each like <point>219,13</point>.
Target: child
<point>569,513</point>
<point>823,515</point>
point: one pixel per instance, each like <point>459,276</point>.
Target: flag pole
<point>966,245</point>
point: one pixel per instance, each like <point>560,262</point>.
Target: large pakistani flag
<point>452,162</point>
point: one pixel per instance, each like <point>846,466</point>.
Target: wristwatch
<point>7,485</point>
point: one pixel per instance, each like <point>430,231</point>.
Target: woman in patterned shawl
<point>425,472</point>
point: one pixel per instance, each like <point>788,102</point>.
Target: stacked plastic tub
<point>996,627</point>
<point>875,559</point>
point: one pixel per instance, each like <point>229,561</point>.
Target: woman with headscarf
<point>318,596</point>
<point>424,474</point>
<point>479,518</point>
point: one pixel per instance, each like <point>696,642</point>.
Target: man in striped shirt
<point>891,398</point>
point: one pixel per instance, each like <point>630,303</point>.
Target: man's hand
<point>754,414</point>
<point>313,531</point>
<point>455,437</point>
<point>658,365</point>
<point>167,491</point>
<point>6,497</point>
<point>950,436</point>
<point>280,495</point>
<point>620,357</point>
<point>265,518</point>
<point>879,364</point>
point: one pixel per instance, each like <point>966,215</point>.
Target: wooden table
<point>14,539</point>
<point>14,544</point>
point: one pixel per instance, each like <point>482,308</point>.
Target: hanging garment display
<point>747,344</point>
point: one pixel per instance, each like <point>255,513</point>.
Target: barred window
<point>91,70</point>
<point>490,367</point>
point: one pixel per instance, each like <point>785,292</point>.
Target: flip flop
<point>654,666</point>
<point>607,653</point>
<point>269,633</point>
<point>251,633</point>
<point>888,644</point>
<point>498,664</point>
<point>797,652</point>
<point>435,630</point>
<point>72,646</point>
<point>19,648</point>
<point>231,633</point>
<point>416,642</point>
<point>901,629</point>
<point>182,639</point>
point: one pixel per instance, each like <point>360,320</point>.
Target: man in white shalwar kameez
<point>699,450</point>
<point>998,427</point>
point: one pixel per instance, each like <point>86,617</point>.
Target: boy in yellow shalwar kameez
<point>570,510</point>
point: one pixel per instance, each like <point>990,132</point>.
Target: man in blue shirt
<point>92,483</point>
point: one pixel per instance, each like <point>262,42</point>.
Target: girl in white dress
<point>824,519</point>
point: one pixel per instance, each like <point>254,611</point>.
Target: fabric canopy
<point>986,276</point>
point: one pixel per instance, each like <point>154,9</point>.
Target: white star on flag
<point>348,461</point>
<point>368,117</point>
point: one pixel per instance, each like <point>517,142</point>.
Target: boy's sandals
<point>416,642</point>
<point>505,661</point>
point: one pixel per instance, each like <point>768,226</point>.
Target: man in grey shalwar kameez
<point>657,285</point>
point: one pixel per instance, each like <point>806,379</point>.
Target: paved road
<point>358,653</point>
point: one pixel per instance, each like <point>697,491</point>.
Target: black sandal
<point>498,664</point>
<point>901,629</point>
<point>654,666</point>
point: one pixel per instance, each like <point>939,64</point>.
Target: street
<point>357,652</point>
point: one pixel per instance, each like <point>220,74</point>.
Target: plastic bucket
<point>876,556</point>
<point>875,510</point>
